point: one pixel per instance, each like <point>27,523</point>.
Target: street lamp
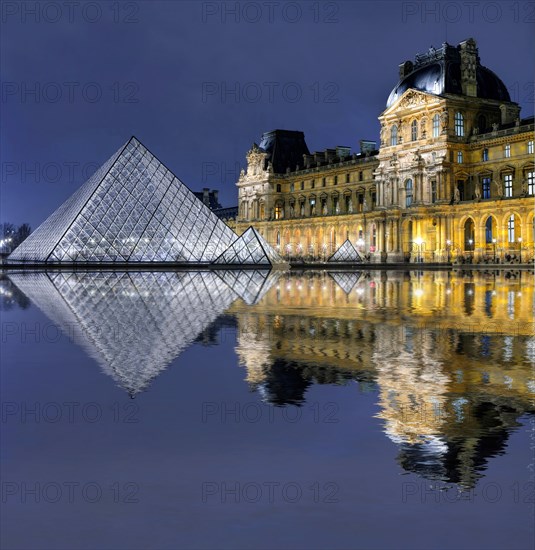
<point>471,248</point>
<point>520,246</point>
<point>419,241</point>
<point>448,249</point>
<point>494,244</point>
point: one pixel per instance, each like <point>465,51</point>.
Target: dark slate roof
<point>439,72</point>
<point>285,149</point>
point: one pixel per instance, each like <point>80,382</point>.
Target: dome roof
<point>439,72</point>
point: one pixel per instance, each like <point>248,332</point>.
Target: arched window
<point>414,130</point>
<point>469,232</point>
<point>511,229</point>
<point>489,227</point>
<point>394,135</point>
<point>408,192</point>
<point>436,125</point>
<point>459,124</point>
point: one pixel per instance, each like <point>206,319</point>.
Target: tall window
<point>507,151</point>
<point>530,147</point>
<point>279,187</point>
<point>459,124</point>
<point>323,182</point>
<point>459,157</point>
<point>335,180</point>
<point>511,229</point>
<point>278,238</point>
<point>361,176</point>
<point>348,178</point>
<point>292,187</point>
<point>394,135</point>
<point>408,193</point>
<point>312,184</point>
<point>485,155</point>
<point>436,125</point>
<point>531,183</point>
<point>486,188</point>
<point>302,185</point>
<point>433,191</point>
<point>488,230</point>
<point>508,185</point>
<point>278,211</point>
<point>414,130</point>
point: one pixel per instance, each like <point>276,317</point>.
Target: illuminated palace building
<point>452,180</point>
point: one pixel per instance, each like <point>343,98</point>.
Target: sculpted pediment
<point>412,98</point>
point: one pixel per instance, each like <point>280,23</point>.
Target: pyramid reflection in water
<point>135,324</point>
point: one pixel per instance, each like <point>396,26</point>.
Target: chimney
<point>206,195</point>
<point>215,193</point>
<point>469,62</point>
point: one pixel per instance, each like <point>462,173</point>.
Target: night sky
<point>198,82</point>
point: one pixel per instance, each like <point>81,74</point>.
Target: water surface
<point>249,409</point>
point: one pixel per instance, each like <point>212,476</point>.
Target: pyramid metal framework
<point>346,253</point>
<point>250,248</point>
<point>133,209</point>
<point>134,324</point>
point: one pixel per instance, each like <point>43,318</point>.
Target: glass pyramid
<point>346,253</point>
<point>134,324</point>
<point>250,285</point>
<point>250,248</point>
<point>133,209</point>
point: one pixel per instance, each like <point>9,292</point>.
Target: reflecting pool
<point>257,409</point>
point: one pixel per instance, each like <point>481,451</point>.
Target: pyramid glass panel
<point>346,253</point>
<point>250,248</point>
<point>133,209</point>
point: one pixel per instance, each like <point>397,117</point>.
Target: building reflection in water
<point>450,355</point>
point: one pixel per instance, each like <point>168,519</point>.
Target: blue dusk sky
<point>199,82</point>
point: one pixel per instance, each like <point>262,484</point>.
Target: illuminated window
<point>531,183</point>
<point>530,147</point>
<point>436,125</point>
<point>511,229</point>
<point>278,211</point>
<point>485,155</point>
<point>507,151</point>
<point>459,157</point>
<point>459,124</point>
<point>508,185</point>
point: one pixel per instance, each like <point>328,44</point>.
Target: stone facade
<point>452,179</point>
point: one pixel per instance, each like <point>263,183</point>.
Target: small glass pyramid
<point>133,209</point>
<point>250,248</point>
<point>346,253</point>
